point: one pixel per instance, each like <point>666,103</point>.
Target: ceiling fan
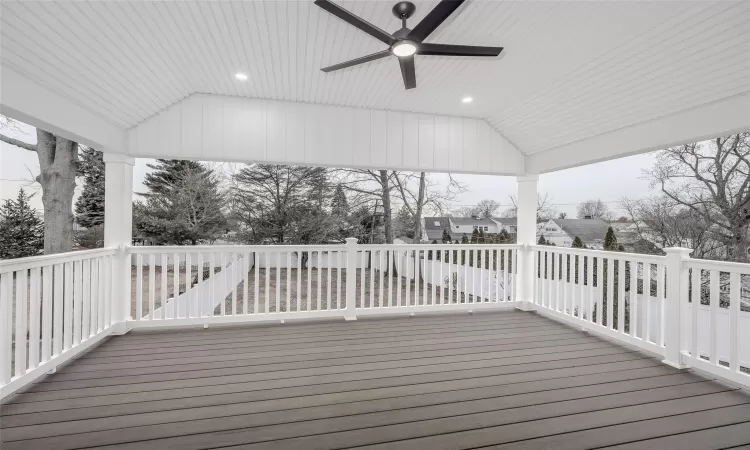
<point>406,43</point>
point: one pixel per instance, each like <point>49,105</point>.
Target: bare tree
<point>544,209</point>
<point>58,162</point>
<point>712,178</point>
<point>485,208</point>
<point>594,209</point>
<point>662,221</point>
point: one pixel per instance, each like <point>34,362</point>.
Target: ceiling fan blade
<point>457,50</point>
<point>434,18</point>
<point>350,18</point>
<point>408,71</point>
<point>356,61</point>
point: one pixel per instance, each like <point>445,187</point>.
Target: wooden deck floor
<point>493,380</point>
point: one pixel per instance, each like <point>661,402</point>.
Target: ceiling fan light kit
<point>406,43</point>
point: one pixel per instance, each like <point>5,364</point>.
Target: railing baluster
<point>278,280</point>
<point>372,280</point>
<point>199,286</point>
<point>34,317</point>
<point>660,304</point>
<point>362,279</point>
<point>93,323</point>
<point>86,298</point>
<point>107,295</point>
<point>713,315</point>
<point>621,295</point>
<point>188,282</point>
<point>398,255</point>
<point>47,272</point>
<point>175,285</point>
<point>57,310</point>
<point>381,300</point>
<point>256,283</point>
<point>299,281</point>
<point>267,266</point>
<point>646,335</point>
<point>308,306</point>
<point>6,330</point>
<point>632,308</point>
<point>246,280</point>
<point>450,277</point>
<point>163,290</point>
<point>610,292</point>
<point>735,287</point>
<point>151,287</point>
<point>339,276</point>
<point>289,281</point>
<point>329,287</point>
<point>21,320</point>
<point>223,275</point>
<point>77,301</point>
<point>235,258</point>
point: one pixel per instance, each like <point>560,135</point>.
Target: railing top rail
<point>722,266</point>
<point>439,246</point>
<point>601,253</point>
<point>232,248</point>
<point>31,262</point>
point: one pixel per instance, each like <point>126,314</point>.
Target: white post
<point>677,294</point>
<point>526,236</point>
<point>118,224</point>
<point>351,279</point>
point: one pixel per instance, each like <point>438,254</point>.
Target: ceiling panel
<point>570,70</point>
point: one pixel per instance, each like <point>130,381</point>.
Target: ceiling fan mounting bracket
<point>403,10</point>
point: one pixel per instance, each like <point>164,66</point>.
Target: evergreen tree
<point>475,236</point>
<point>404,223</point>
<point>464,239</point>
<point>610,240</point>
<point>446,237</point>
<point>577,242</point>
<point>89,207</point>
<point>184,204</point>
<point>339,203</point>
<point>21,228</point>
<point>504,237</point>
<point>542,241</point>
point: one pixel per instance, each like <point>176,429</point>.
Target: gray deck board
<point>496,380</point>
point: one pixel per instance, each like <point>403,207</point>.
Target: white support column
<point>351,279</point>
<point>526,236</point>
<point>118,226</point>
<point>677,295</point>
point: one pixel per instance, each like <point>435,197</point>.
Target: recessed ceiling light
<point>467,99</point>
<point>240,76</point>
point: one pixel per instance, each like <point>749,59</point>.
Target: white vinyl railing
<point>215,284</point>
<point>52,308</point>
<point>715,334</point>
<point>635,299</point>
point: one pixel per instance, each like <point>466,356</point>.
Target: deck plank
<point>508,379</point>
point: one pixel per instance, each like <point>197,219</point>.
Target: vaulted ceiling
<point>570,70</point>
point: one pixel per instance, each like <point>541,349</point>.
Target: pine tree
<point>475,236</point>
<point>446,237</point>
<point>89,207</point>
<point>480,237</point>
<point>464,239</point>
<point>183,205</point>
<point>610,240</point>
<point>542,241</point>
<point>339,203</point>
<point>21,228</point>
<point>577,242</point>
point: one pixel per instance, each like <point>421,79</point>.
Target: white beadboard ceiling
<point>570,70</point>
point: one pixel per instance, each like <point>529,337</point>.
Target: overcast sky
<point>608,181</point>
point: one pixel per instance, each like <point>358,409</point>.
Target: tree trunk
<point>387,222</point>
<point>741,244</point>
<point>58,160</point>
<point>419,207</point>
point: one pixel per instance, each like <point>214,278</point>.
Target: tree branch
<point>17,143</point>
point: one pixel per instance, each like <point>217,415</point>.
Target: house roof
<point>429,223</point>
<point>589,230</point>
<point>471,221</point>
<point>506,220</point>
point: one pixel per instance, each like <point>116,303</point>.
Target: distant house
<point>510,225</point>
<point>561,232</point>
<point>459,226</point>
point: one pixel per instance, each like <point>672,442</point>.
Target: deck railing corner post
<point>676,299</point>
<point>350,313</point>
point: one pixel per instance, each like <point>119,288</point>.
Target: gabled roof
<point>588,230</point>
<point>429,223</point>
<point>506,220</point>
